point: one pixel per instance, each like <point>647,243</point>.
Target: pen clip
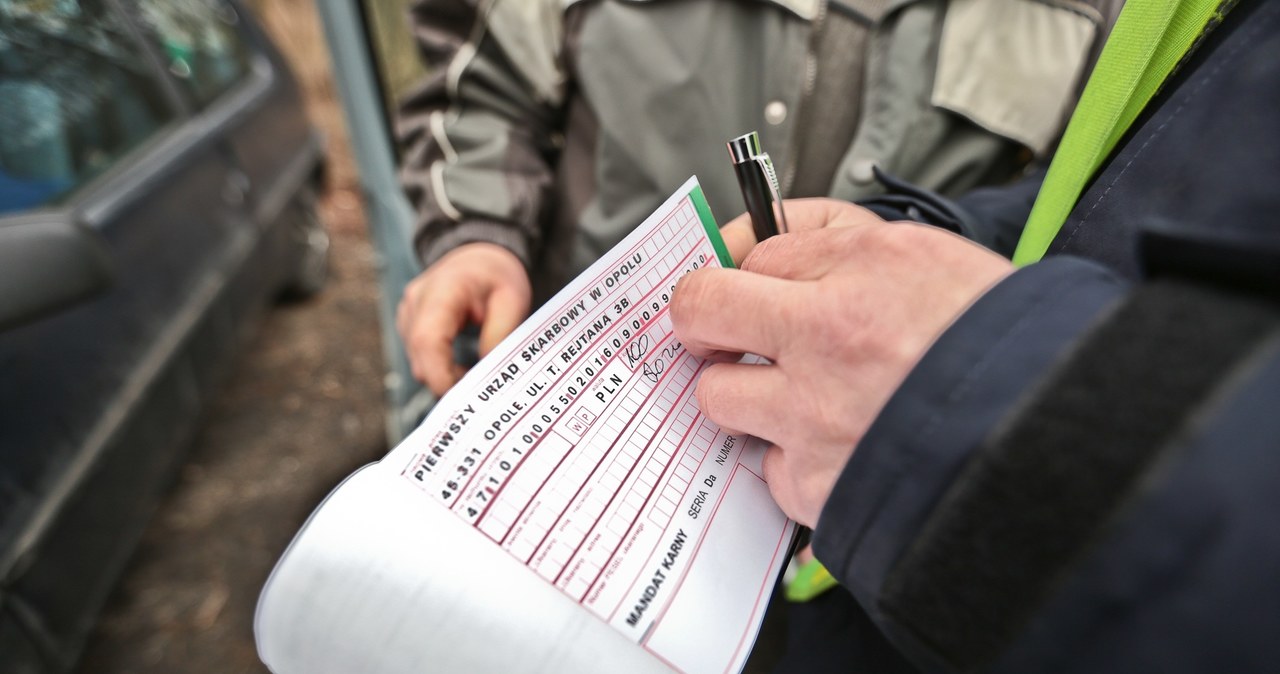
<point>775,193</point>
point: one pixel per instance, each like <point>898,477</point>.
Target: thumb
<point>504,311</point>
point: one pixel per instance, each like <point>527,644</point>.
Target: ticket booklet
<point>566,507</point>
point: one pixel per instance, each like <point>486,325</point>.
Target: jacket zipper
<point>806,92</point>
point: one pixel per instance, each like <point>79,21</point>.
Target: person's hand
<point>844,307</point>
<point>475,283</point>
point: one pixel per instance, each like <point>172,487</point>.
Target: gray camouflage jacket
<point>553,127</point>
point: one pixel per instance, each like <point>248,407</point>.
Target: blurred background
<point>301,408</point>
<point>207,361</point>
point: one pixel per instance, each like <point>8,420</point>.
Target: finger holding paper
<point>717,303</point>
<point>478,283</point>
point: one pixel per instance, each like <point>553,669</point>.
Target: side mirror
<point>48,261</point>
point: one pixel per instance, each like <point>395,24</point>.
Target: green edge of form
<point>709,223</point>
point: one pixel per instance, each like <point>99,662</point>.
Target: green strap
<point>812,579</point>
<point>1149,38</point>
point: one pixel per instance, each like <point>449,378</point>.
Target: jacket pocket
<point>1014,67</point>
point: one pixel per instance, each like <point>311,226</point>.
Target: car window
<point>76,94</point>
<point>202,41</point>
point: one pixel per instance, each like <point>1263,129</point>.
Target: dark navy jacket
<point>1083,473</point>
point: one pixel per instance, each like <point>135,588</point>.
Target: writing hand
<point>479,283</point>
<point>844,307</point>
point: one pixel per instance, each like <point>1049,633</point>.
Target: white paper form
<point>578,447</point>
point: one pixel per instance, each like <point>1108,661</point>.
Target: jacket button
<point>775,112</point>
<point>863,171</point>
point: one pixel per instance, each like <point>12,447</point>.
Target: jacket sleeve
<point>991,216</point>
<point>1076,477</point>
<point>478,135</point>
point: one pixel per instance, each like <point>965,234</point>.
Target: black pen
<point>759,185</point>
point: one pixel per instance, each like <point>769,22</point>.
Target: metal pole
<point>388,211</point>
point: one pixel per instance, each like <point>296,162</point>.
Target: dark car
<point>157,184</point>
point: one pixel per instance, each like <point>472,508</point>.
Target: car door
<point>244,94</point>
<point>222,78</point>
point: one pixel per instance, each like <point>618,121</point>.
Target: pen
<point>759,185</point>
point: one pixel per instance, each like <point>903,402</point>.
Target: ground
<point>300,410</point>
